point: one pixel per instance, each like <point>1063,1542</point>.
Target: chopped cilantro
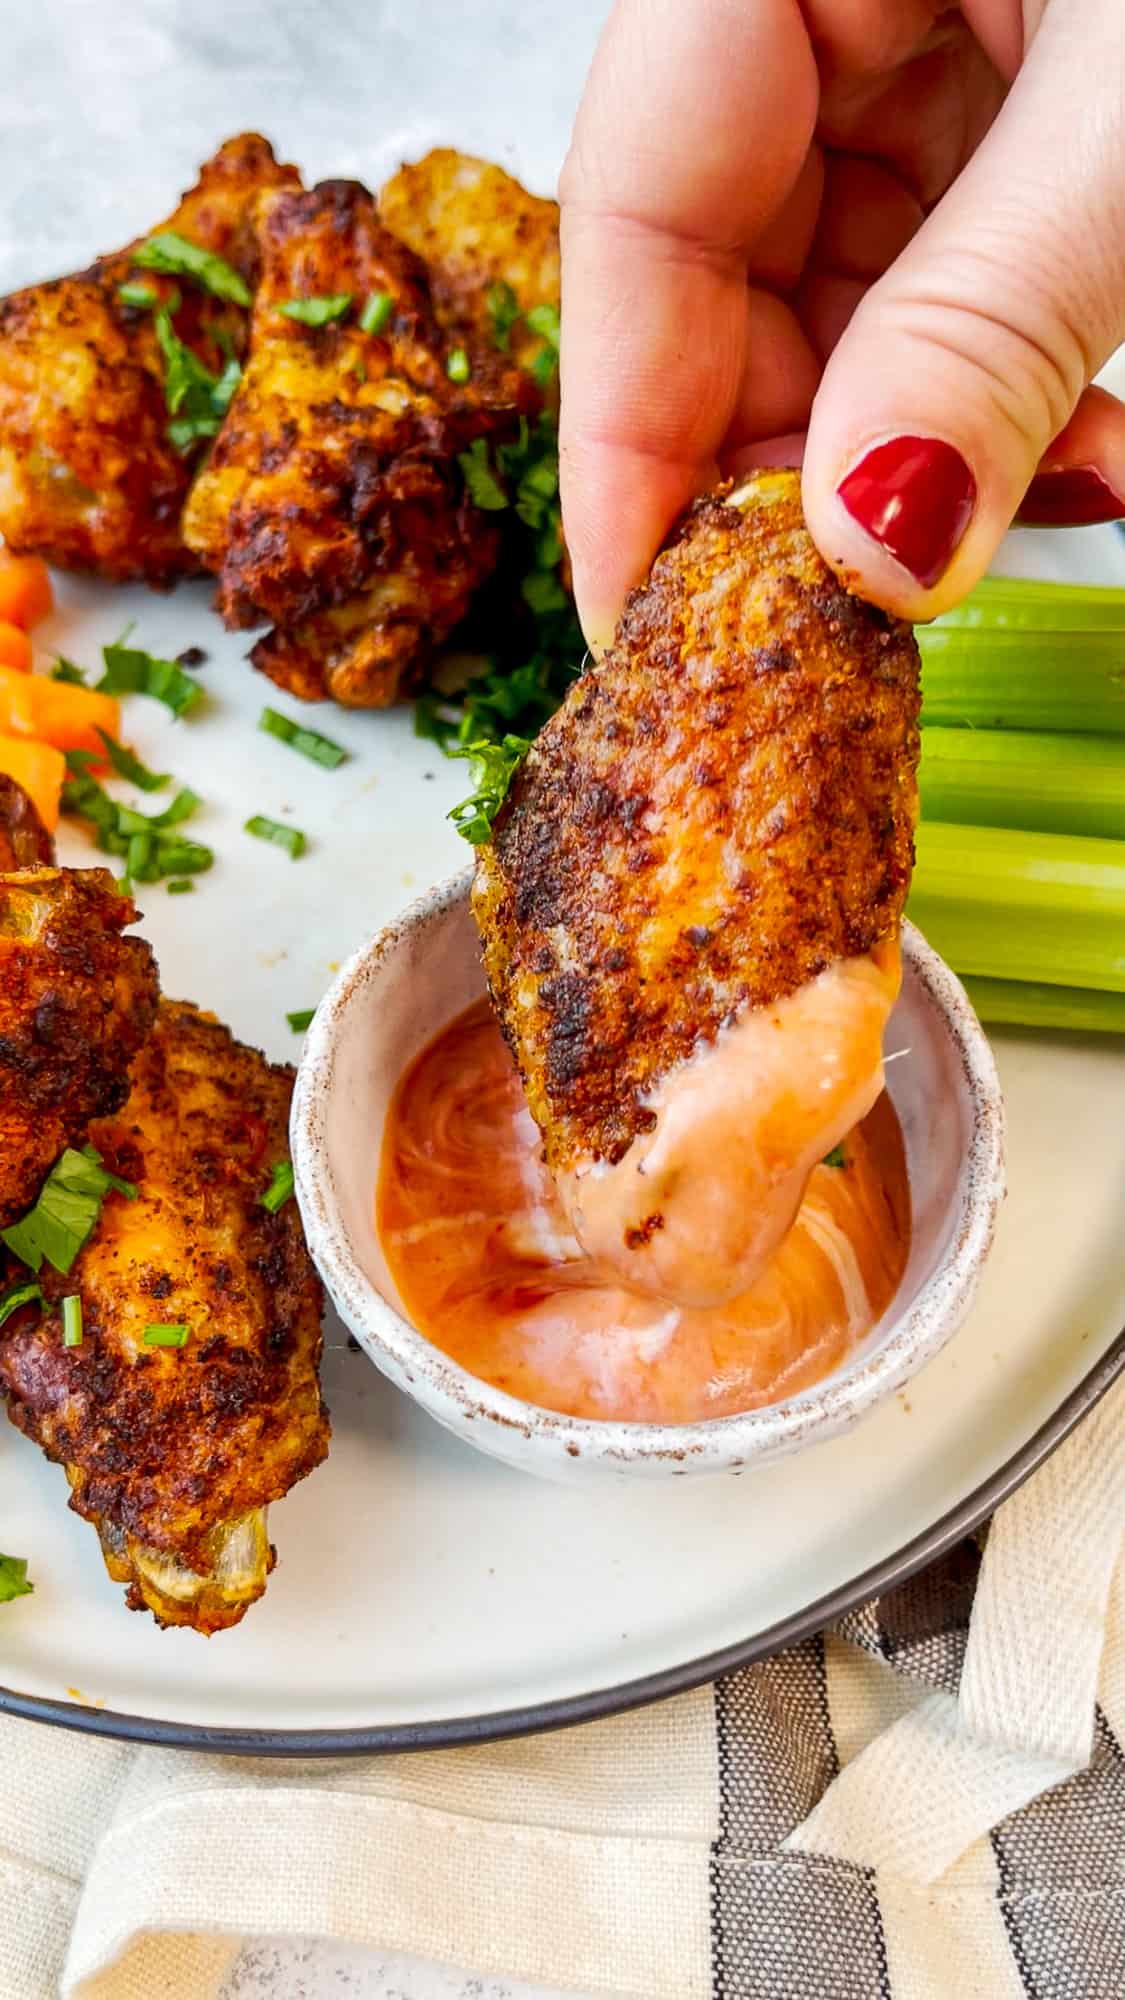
<point>317,312</point>
<point>170,252</point>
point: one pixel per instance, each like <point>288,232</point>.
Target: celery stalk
<point>981,678</point>
<point>1032,605</point>
<point>1047,783</point>
<point>1002,904</point>
<point>1022,1004</point>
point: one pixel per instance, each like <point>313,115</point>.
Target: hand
<point>893,225</point>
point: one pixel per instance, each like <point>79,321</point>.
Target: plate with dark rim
<point>425,1594</point>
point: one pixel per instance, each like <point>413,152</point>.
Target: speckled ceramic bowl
<point>401,989</point>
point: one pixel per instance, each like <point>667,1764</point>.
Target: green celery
<point>1026,1004</point>
<point>1043,782</point>
<point>1003,904</point>
<point>1035,605</point>
<point>989,679</point>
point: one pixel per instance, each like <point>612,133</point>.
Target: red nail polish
<point>915,497</point>
<point>1073,496</point>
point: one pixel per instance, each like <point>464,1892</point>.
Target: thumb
<point>968,359</point>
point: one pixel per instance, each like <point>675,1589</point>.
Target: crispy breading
<point>88,476</point>
<point>77,999</point>
<point>474,226</point>
<point>333,505</point>
<point>720,810</point>
<point>24,840</point>
<point>174,1453</point>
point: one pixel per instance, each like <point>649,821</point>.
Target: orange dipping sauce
<point>488,1270</point>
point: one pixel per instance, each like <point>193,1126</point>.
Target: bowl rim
<point>462,1400</point>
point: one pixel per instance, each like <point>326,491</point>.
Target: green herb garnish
<point>171,253</point>
<point>13,1578</point>
<point>317,312</point>
<point>280,1187</point>
<point>484,487</point>
<point>494,767</point>
<point>72,1322</point>
<point>544,320</point>
<point>66,1213</point>
<point>145,840</point>
<point>181,886</point>
<point>457,365</point>
<point>65,670</point>
<point>129,767</point>
<point>309,742</point>
<point>300,1019</point>
<point>176,1334</point>
<point>24,1292</point>
<point>835,1158</point>
<point>197,400</point>
<point>133,294</point>
<point>504,311</point>
<point>289,837</point>
<point>129,670</point>
<point>376,314</point>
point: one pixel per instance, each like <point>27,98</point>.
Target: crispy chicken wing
<point>718,812</point>
<point>77,999</point>
<point>88,475</point>
<point>174,1453</point>
<point>333,505</point>
<point>476,227</point>
<point>24,840</point>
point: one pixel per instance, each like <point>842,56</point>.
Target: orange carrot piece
<point>15,647</point>
<point>40,770</point>
<point>25,590</point>
<point>56,712</point>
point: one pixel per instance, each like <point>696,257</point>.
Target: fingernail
<point>1074,496</point>
<point>915,497</point>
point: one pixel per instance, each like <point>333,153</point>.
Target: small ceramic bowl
<point>402,989</point>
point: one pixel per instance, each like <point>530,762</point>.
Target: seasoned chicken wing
<point>175,1452</point>
<point>721,810</point>
<point>77,999</point>
<point>333,505</point>
<point>24,840</point>
<point>477,228</point>
<point>89,477</point>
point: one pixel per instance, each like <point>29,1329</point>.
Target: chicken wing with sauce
<point>89,478</point>
<point>720,813</point>
<point>333,506</point>
<point>77,998</point>
<point>174,1453</point>
<point>475,227</point>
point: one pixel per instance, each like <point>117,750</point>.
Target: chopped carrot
<point>25,590</point>
<point>56,712</point>
<point>40,770</point>
<point>15,648</point>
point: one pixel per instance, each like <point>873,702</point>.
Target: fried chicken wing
<point>24,840</point>
<point>88,475</point>
<point>721,812</point>
<point>174,1453</point>
<point>475,227</point>
<point>333,505</point>
<point>77,999</point>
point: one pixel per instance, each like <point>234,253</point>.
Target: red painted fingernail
<point>915,497</point>
<point>1074,496</point>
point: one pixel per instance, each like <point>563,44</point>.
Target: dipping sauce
<point>488,1269</point>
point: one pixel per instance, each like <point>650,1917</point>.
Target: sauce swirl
<point>488,1268</point>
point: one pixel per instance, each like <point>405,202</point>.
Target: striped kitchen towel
<point>926,1803</point>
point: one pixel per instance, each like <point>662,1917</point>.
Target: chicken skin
<point>475,228</point>
<point>333,505</point>
<point>720,811</point>
<point>77,999</point>
<point>24,840</point>
<point>89,477</point>
<point>174,1453</point>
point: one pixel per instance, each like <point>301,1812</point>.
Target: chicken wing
<point>24,840</point>
<point>174,1453</point>
<point>77,999</point>
<point>719,812</point>
<point>333,505</point>
<point>89,477</point>
<point>477,228</point>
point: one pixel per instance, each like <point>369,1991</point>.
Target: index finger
<point>692,131</point>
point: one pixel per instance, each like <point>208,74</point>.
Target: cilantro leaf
<point>317,312</point>
<point>13,1578</point>
<point>485,489</point>
<point>172,253</point>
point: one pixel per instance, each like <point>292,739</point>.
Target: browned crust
<point>720,810</point>
<point>168,1444</point>
<point>76,1002</point>
<point>88,477</point>
<point>24,840</point>
<point>333,506</point>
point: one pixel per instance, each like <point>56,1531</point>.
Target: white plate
<point>424,1592</point>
